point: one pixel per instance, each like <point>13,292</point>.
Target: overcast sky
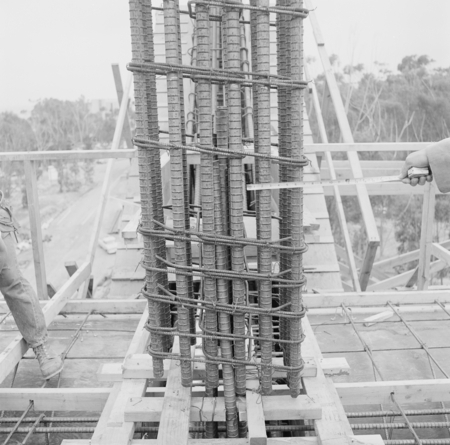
<point>64,48</point>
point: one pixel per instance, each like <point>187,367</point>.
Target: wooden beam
<point>380,189</point>
<point>364,146</point>
<point>140,366</point>
<point>404,258</point>
<point>404,278</point>
<point>126,132</point>
<point>406,392</point>
<point>175,414</point>
<point>355,440</point>
<point>441,252</point>
<point>93,244</point>
<point>313,301</point>
<point>36,229</point>
<point>370,299</point>
<point>347,136</point>
<point>72,267</point>
<point>333,427</point>
<point>129,232</point>
<point>205,409</point>
<point>66,155</point>
<point>256,421</point>
<point>426,236</point>
<point>54,399</point>
<point>349,255</point>
<point>12,354</point>
<point>112,427</point>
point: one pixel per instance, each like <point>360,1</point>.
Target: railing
<point>31,158</point>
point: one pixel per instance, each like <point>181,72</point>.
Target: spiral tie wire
<point>294,12</point>
<point>203,237</point>
<point>212,76</point>
<point>152,144</point>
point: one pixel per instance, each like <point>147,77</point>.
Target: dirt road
<point>71,231</point>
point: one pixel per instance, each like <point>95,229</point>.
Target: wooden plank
<point>426,236</point>
<point>406,392</point>
<point>12,354</point>
<point>72,267</point>
<point>140,338</point>
<point>36,229</point>
<point>140,366</point>
<point>204,409</point>
<point>402,279</point>
<point>403,258</point>
<point>54,399</point>
<point>334,426</point>
<point>112,427</point>
<point>346,133</point>
<point>440,252</point>
<point>355,440</point>
<point>129,232</point>
<point>380,189</point>
<point>337,196</point>
<point>256,421</point>
<point>174,422</point>
<point>126,132</point>
<point>93,244</point>
<point>324,299</point>
<point>66,155</point>
<point>367,264</point>
<point>366,146</point>
<point>334,300</point>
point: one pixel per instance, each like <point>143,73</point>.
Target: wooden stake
<point>35,227</point>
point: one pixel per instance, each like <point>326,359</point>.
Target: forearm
<point>438,155</point>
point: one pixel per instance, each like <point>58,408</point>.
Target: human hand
<point>417,159</point>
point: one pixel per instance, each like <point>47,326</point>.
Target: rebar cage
<point>220,299</point>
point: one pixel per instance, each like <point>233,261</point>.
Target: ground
<point>67,224</point>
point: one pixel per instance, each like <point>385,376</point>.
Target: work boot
<point>49,362</point>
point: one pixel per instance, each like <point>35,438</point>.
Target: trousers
<point>19,295</point>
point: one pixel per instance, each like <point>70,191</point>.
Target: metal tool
<point>413,172</point>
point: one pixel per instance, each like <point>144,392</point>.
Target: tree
<point>67,125</point>
<point>16,134</point>
<point>410,105</point>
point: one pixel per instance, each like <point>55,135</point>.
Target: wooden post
<point>426,236</point>
<point>36,230</point>
<point>126,131</point>
<point>337,195</point>
<point>347,137</point>
<point>107,183</point>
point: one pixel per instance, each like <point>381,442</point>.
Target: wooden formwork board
<point>133,398</point>
<point>175,407</point>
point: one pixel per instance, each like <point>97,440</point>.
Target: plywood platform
<point>106,375</point>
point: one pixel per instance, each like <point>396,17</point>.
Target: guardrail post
<point>35,228</point>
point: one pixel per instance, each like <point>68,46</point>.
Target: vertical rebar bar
<point>222,285</point>
<point>264,197</point>
<point>233,59</point>
<point>177,167</point>
<point>204,103</point>
<point>155,165</point>
<point>284,149</point>
<point>190,280</point>
<point>146,159</point>
<point>296,122</point>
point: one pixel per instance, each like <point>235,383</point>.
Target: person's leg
<point>21,298</point>
<point>25,307</point>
